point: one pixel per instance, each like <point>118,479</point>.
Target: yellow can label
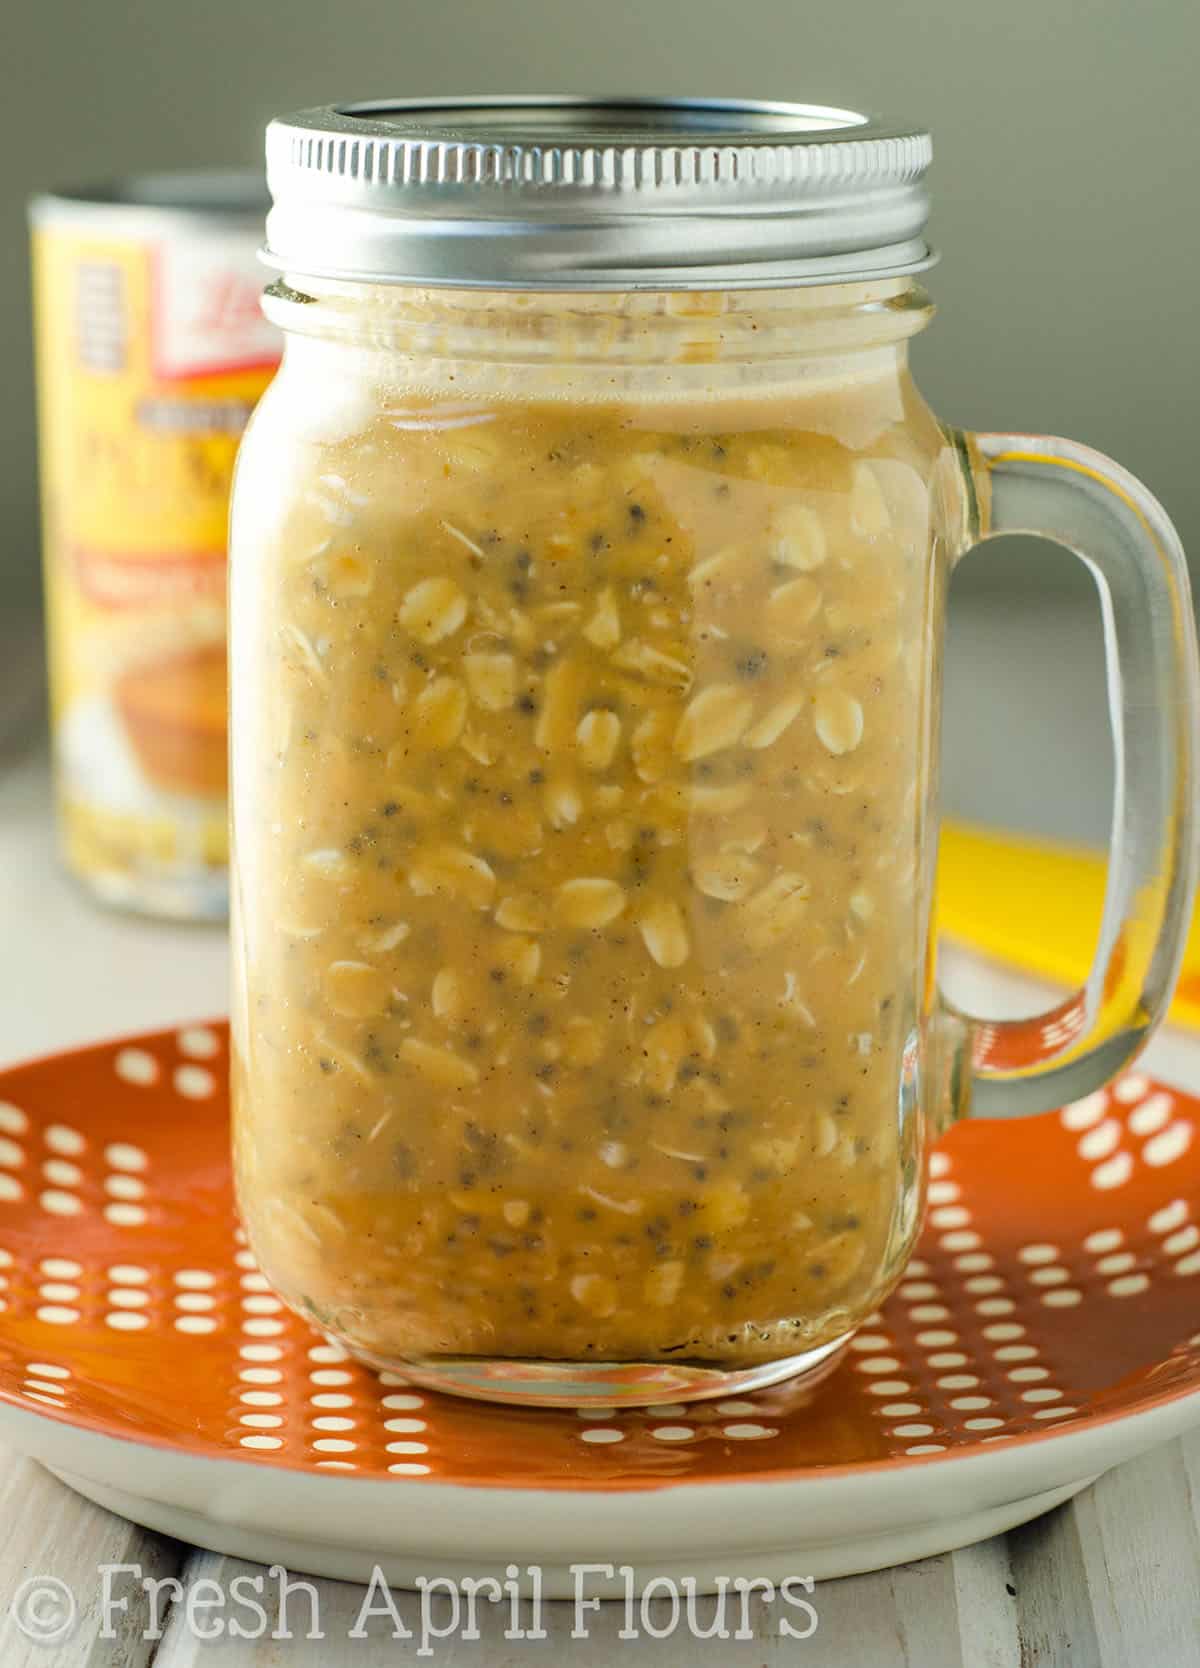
<point>151,353</point>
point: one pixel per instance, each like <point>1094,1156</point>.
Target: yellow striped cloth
<point>1036,906</point>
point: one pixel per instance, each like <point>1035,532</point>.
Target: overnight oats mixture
<point>582,937</point>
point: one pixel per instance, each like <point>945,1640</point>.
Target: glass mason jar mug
<point>589,560</point>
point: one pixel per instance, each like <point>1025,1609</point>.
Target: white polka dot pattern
<point>968,1350</point>
<point>199,1043</point>
<point>135,1065</point>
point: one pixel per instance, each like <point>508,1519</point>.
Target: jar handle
<point>1080,499</point>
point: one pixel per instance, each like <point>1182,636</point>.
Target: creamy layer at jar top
<point>581,769</point>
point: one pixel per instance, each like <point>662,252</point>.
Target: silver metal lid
<point>578,193</point>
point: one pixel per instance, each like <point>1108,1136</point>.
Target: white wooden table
<point>1110,1580</point>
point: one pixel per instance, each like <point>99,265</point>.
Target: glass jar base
<point>607,1383</point>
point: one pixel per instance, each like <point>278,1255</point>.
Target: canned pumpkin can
<point>151,354</point>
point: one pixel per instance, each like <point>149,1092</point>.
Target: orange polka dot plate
<point>1048,1329</point>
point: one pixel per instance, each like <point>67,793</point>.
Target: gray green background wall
<point>1066,183</point>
